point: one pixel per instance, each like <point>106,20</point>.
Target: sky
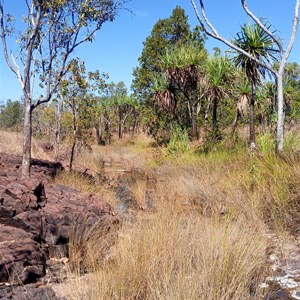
<point>119,44</point>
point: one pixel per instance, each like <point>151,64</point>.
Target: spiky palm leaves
<point>260,45</point>
<point>220,76</point>
<point>182,67</point>
<point>179,85</point>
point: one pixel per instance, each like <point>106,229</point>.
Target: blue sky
<point>119,44</point>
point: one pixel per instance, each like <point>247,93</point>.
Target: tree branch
<point>293,37</point>
<point>218,37</point>
<point>263,27</point>
<point>29,50</point>
<point>15,69</point>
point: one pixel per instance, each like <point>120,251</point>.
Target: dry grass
<point>180,256</point>
<point>130,152</point>
<point>206,238</point>
<point>207,235</point>
<point>12,142</point>
<point>86,185</point>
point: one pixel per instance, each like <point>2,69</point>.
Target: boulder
<point>22,260</point>
<point>31,292</point>
<point>37,218</point>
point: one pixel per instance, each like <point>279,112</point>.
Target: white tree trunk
<point>280,121</point>
<point>27,136</point>
<point>210,30</point>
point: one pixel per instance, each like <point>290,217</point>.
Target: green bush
<point>266,143</point>
<point>179,143</point>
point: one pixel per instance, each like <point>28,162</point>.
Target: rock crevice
<point>35,222</point>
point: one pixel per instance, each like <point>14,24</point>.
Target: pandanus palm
<point>219,79</point>
<point>183,69</point>
<point>259,44</point>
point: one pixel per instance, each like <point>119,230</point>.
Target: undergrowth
<point>207,236</point>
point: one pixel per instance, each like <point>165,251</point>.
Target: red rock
<point>36,219</point>
<point>21,259</point>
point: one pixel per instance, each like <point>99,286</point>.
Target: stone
<point>37,218</point>
<point>21,257</point>
<point>31,292</point>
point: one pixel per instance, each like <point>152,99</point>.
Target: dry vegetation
<point>206,236</point>
<point>12,142</point>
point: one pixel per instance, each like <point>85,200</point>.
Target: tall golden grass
<point>12,142</point>
<point>208,233</point>
<point>180,256</point>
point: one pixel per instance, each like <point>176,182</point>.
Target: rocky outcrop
<point>32,292</point>
<point>36,218</point>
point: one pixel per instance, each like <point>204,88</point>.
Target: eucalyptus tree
<point>284,54</point>
<point>75,91</point>
<point>258,43</point>
<point>11,114</point>
<point>292,90</point>
<point>52,30</point>
<point>121,104</point>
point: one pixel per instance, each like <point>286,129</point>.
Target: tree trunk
<point>27,136</point>
<point>234,124</point>
<point>206,119</point>
<point>194,127</point>
<point>107,129</point>
<point>214,118</point>
<point>280,122</point>
<point>193,120</point>
<point>252,116</point>
<point>58,130</point>
<point>74,141</point>
<point>134,126</point>
<point>99,134</point>
<point>120,129</point>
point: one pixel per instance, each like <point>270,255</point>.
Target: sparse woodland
<point>188,158</point>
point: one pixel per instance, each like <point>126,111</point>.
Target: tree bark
<point>58,130</point>
<point>206,119</point>
<point>27,136</point>
<point>120,129</point>
<point>193,120</point>
<point>214,118</point>
<point>281,114</point>
<point>234,123</point>
<point>252,116</point>
<point>99,134</point>
<point>194,127</point>
<point>74,140</point>
<point>107,129</point>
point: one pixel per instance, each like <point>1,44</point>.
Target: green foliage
<point>260,45</point>
<point>221,75</point>
<point>292,143</point>
<point>165,35</point>
<point>291,91</point>
<point>44,121</point>
<point>149,76</point>
<point>179,143</point>
<point>266,144</point>
<point>182,56</point>
<point>11,115</point>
